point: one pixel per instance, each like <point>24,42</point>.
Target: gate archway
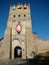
<point>17,52</point>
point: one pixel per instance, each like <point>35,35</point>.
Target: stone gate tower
<point>19,31</point>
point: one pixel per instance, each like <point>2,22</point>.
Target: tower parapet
<point>19,6</point>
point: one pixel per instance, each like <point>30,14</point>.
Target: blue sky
<point>39,16</point>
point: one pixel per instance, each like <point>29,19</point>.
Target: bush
<point>42,58</point>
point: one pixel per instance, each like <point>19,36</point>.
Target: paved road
<point>17,61</point>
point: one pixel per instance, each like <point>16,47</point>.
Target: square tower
<point>19,31</point>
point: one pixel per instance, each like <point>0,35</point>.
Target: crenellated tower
<point>19,23</point>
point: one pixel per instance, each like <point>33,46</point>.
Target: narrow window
<point>14,16</point>
<point>24,15</point>
<point>18,15</point>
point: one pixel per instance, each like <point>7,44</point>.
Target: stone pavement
<point>17,61</point>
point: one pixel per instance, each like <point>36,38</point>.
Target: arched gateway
<point>17,52</point>
<point>16,49</point>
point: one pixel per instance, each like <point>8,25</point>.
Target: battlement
<point>19,12</point>
<point>19,6</point>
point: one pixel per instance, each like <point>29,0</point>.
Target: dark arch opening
<point>17,52</point>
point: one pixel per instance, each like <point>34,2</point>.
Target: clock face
<point>18,28</point>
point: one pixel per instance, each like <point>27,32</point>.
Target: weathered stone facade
<point>25,39</point>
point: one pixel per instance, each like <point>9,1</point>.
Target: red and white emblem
<point>18,28</point>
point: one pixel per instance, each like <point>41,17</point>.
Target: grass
<point>40,59</point>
